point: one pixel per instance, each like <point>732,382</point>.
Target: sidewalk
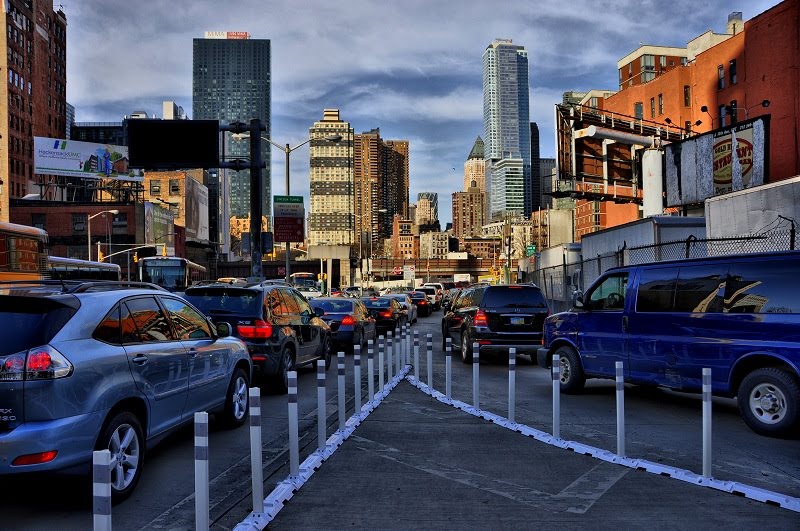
<point>416,463</point>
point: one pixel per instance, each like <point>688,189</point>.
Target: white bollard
<point>340,390</point>
<point>556,396</point>
<point>357,372</point>
<point>620,379</point>
<point>256,458</point>
<point>448,368</point>
<point>398,341</point>
<point>512,382</point>
<point>476,364</point>
<point>416,355</point>
<point>389,359</point>
<point>101,489</point>
<point>201,497</point>
<point>371,370</point>
<point>381,346</point>
<point>429,346</point>
<point>294,438</point>
<point>707,472</point>
<point>321,427</point>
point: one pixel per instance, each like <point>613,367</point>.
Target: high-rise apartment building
<point>396,177</point>
<point>468,212</point>
<point>506,119</point>
<point>475,166</point>
<point>427,208</point>
<point>33,95</point>
<point>231,81</point>
<point>332,219</point>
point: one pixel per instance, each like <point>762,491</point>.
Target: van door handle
<point>624,323</point>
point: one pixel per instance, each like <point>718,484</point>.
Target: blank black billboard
<point>173,144</point>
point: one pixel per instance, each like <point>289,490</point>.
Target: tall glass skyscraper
<point>506,120</point>
<point>230,82</point>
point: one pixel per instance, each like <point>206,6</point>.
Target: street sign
<point>287,199</point>
<point>409,272</point>
<point>288,230</point>
<point>289,210</point>
<point>530,250</point>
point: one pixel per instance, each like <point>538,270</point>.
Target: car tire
<point>326,351</point>
<point>122,436</point>
<point>572,376</point>
<point>768,400</point>
<point>281,380</point>
<point>237,400</point>
<point>466,347</point>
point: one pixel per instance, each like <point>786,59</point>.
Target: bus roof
<point>60,260</point>
<point>23,229</point>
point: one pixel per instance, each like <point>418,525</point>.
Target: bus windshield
<point>170,274</point>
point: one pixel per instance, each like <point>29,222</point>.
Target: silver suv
<point>88,366</point>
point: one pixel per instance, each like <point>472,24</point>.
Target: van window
<point>763,287</point>
<point>610,294</point>
<point>700,288</point>
<point>656,289</point>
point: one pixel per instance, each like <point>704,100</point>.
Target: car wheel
<point>281,380</point>
<point>237,400</point>
<point>466,347</point>
<point>326,351</point>
<point>122,436</point>
<point>768,400</point>
<point>571,376</point>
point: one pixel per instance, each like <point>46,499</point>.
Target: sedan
<point>387,313</point>
<point>409,308</point>
<point>350,321</point>
<point>420,300</point>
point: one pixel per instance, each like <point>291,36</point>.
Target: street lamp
<point>89,228</point>
<point>287,150</point>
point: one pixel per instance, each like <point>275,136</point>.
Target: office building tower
<point>33,97</point>
<point>427,208</point>
<point>506,120</point>
<point>536,177</point>
<point>231,82</point>
<point>475,166</point>
<point>366,172</point>
<point>332,215</point>
<point>547,168</point>
<point>396,177</point>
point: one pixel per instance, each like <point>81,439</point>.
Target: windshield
<point>337,306</point>
<point>513,297</point>
<point>35,321</point>
<point>171,276</point>
<point>216,300</point>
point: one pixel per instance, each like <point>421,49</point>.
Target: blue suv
<point>89,366</point>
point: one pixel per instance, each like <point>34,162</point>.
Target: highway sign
<point>288,229</point>
<point>287,199</point>
<point>530,250</point>
<point>289,210</point>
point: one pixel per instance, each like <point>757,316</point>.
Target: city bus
<point>171,272</point>
<point>23,252</point>
<point>59,268</point>
<point>303,280</point>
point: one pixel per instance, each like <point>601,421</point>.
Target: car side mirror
<point>577,299</point>
<point>319,312</point>
<point>224,329</point>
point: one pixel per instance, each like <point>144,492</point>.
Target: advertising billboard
<point>196,218</point>
<point>159,226</point>
<point>716,163</point>
<point>70,158</point>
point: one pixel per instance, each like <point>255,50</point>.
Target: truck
<point>462,277</point>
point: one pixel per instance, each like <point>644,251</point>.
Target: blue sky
<point>412,68</point>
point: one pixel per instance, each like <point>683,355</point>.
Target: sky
<point>411,68</point>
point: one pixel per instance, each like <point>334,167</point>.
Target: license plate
<point>517,320</point>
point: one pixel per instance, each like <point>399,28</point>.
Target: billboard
<point>70,158</point>
<point>716,163</point>
<point>159,226</point>
<point>196,218</point>
<point>173,144</point>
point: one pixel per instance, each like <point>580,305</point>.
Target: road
<point>662,426</point>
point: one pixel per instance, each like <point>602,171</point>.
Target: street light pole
<point>287,150</point>
<point>89,218</point>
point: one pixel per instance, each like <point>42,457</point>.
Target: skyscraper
<point>475,167</point>
<point>427,208</point>
<point>506,119</point>
<point>332,219</point>
<point>231,82</point>
<point>536,176</point>
<point>468,212</point>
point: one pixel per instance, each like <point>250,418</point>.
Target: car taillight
<point>480,319</point>
<point>423,302</point>
<point>258,330</point>
<point>35,459</point>
<point>348,320</point>
<point>41,363</point>
<point>386,314</point>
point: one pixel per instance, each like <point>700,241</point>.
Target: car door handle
<point>624,323</point>
<point>140,360</point>
<point>192,352</point>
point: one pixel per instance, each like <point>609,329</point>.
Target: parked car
<point>497,317</point>
<point>420,300</point>
<point>434,298</point>
<point>666,321</point>
<point>408,307</point>
<point>279,327</point>
<point>387,313</point>
<point>350,321</point>
<point>98,365</point>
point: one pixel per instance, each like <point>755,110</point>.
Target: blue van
<point>738,315</point>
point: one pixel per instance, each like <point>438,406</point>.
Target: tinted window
<point>700,288</point>
<point>656,290</point>
<point>609,294</point>
<point>187,322</point>
<point>763,287</point>
<point>151,323</point>
<point>377,303</point>
<point>109,330</point>
<point>342,306</point>
<point>289,306</point>
<point>428,290</point>
<point>275,303</point>
<point>302,304</point>
<point>513,297</point>
<point>34,321</point>
<point>225,300</point>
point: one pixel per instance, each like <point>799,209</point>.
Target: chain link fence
<point>559,282</point>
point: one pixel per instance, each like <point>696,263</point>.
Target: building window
<point>720,77</point>
<point>155,187</point>
<point>39,221</point>
<point>660,104</point>
<point>638,110</point>
<point>174,187</point>
<point>662,61</point>
<point>732,71</point>
<point>652,107</point>
<point>119,223</point>
<point>78,223</point>
<point>721,116</point>
<point>687,96</point>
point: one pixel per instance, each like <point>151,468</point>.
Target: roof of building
<point>477,149</point>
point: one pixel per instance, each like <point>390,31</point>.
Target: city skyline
<point>426,90</point>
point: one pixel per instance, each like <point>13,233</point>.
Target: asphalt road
<point>662,426</point>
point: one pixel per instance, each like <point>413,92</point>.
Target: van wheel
<point>768,399</point>
<point>122,436</point>
<point>237,400</point>
<point>572,376</point>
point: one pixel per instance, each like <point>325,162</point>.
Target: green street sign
<point>287,199</point>
<point>530,250</point>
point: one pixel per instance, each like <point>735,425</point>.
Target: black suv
<point>275,321</point>
<point>497,317</point>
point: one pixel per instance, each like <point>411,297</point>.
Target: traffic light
<point>100,255</point>
<point>164,250</point>
<point>135,257</point>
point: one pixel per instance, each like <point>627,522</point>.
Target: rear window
<point>342,306</point>
<point>513,297</point>
<point>35,321</point>
<point>376,303</point>
<point>220,300</point>
<point>429,291</point>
